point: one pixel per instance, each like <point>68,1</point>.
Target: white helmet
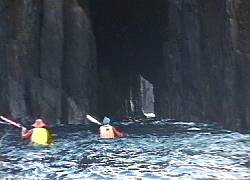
<point>106,120</point>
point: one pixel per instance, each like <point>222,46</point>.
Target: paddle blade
<point>11,122</point>
<point>93,119</point>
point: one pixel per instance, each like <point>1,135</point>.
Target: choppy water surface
<point>164,149</point>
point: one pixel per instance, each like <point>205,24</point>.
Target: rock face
<point>206,56</point>
<point>62,59</point>
<point>195,53</point>
<point>47,55</point>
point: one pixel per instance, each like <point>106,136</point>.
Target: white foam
<point>185,123</point>
<point>149,115</point>
<point>194,129</point>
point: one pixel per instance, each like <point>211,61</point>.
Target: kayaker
<point>109,132</point>
<point>40,134</point>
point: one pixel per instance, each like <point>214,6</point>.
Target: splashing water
<point>164,149</point>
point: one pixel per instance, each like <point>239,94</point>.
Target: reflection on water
<point>164,149</point>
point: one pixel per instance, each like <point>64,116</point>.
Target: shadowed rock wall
<point>129,46</point>
<point>47,55</point>
<point>194,52</point>
<point>206,55</point>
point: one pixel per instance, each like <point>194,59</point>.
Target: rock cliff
<point>47,56</point>
<point>206,55</point>
<point>62,59</point>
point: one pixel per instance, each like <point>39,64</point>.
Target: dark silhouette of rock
<point>47,61</point>
<point>206,62</point>
<point>63,59</point>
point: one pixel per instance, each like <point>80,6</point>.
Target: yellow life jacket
<point>41,136</point>
<point>106,132</point>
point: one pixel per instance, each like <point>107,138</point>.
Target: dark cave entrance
<point>129,54</point>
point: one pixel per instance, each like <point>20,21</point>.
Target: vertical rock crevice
<point>195,53</point>
<point>205,75</point>
<point>42,44</point>
<point>79,67</point>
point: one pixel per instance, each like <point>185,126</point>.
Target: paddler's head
<point>39,123</point>
<point>106,120</point>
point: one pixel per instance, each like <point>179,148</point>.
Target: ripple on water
<point>154,150</point>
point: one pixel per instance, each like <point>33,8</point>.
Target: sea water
<point>154,149</point>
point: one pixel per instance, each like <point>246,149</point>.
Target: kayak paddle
<point>11,122</point>
<point>93,119</point>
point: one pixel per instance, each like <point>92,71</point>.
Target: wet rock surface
<point>47,61</point>
<point>63,59</point>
